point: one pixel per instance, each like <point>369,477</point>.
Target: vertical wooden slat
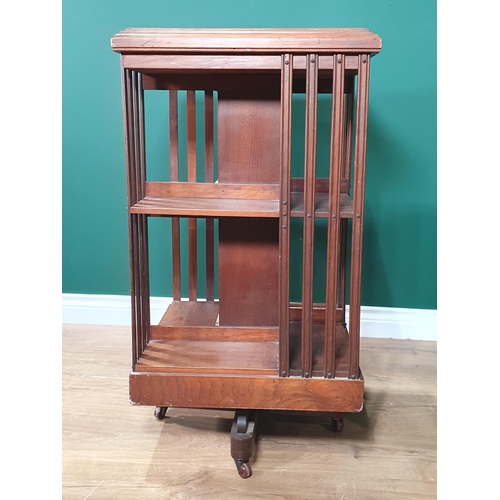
<point>141,153</point>
<point>334,213</point>
<point>348,110</point>
<point>309,203</point>
<point>191,164</point>
<point>342,272</point>
<point>174,177</point>
<point>144,280</point>
<point>357,224</point>
<point>346,174</point>
<point>143,219</point>
<point>286,132</point>
<point>209,177</point>
<point>135,135</point>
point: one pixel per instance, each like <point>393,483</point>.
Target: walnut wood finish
<point>249,133</point>
<point>248,272</point>
<point>250,348</point>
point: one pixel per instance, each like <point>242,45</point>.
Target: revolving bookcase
<point>238,188</point>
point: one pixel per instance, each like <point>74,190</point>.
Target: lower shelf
<point>212,357</point>
<point>223,355</point>
<point>188,339</point>
<point>192,362</point>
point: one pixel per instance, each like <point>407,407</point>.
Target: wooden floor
<point>113,450</point>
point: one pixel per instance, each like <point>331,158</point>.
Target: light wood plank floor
<point>113,450</point>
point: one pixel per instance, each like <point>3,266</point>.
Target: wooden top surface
<point>163,40</point>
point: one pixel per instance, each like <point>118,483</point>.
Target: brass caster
<point>243,469</point>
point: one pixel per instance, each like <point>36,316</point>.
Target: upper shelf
<point>190,199</point>
<point>248,41</point>
<point>207,199</point>
<point>205,207</point>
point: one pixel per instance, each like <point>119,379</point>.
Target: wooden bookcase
<point>248,347</point>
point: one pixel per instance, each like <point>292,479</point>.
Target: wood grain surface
<point>163,40</point>
<point>114,450</point>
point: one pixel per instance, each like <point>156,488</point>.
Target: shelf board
<point>188,313</point>
<point>192,320</point>
<point>188,339</point>
<point>219,207</point>
<point>209,357</point>
<point>205,207</point>
<point>244,358</point>
<point>197,199</point>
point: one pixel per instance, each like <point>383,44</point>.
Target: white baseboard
<point>376,322</point>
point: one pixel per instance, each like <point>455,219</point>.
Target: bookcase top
<point>248,41</point>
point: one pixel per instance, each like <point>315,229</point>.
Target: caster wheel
<point>244,469</point>
<point>337,424</point>
<point>160,412</point>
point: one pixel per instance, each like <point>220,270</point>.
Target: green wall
<point>399,259</point>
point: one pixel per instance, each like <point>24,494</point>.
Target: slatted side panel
<point>133,105</point>
<point>336,167</point>
<point>191,154</point>
<point>358,205</point>
<point>316,359</point>
<point>309,205</point>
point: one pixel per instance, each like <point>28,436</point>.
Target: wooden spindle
<point>334,213</point>
<point>209,177</point>
<point>174,177</point>
<point>286,145</point>
<point>346,174</point>
<point>143,220</point>
<point>144,280</point>
<point>309,204</point>
<point>342,272</point>
<point>191,164</point>
<point>357,224</point>
<point>348,115</point>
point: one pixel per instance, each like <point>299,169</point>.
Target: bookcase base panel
<point>238,392</point>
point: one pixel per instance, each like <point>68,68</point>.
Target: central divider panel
<point>249,128</point>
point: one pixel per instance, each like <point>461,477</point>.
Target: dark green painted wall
<point>399,260</point>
